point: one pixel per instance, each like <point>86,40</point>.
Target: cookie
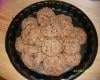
<point>44,15</point>
<point>51,47</point>
<point>52,29</point>
<point>64,18</point>
<point>54,65</point>
<point>29,36</point>
<point>32,56</point>
<point>72,60</point>
<point>29,49</point>
<point>19,44</point>
<point>79,34</point>
<point>39,40</point>
<point>66,24</point>
<point>32,61</point>
<point>29,21</point>
<point>71,46</point>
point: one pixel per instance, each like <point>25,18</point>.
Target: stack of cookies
<point>50,40</point>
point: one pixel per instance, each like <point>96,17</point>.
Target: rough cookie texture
<point>52,29</point>
<point>44,15</point>
<point>54,65</point>
<point>79,34</point>
<point>66,24</point>
<point>72,60</point>
<point>51,47</point>
<point>30,36</point>
<point>32,61</point>
<point>64,18</point>
<point>69,48</point>
<point>30,21</point>
<point>19,44</point>
<point>30,49</point>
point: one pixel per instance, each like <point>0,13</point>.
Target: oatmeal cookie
<point>29,36</point>
<point>33,60</point>
<point>19,44</point>
<point>71,46</point>
<point>54,65</point>
<point>44,15</point>
<point>64,18</point>
<point>65,24</point>
<point>29,22</point>
<point>52,29</point>
<point>79,34</point>
<point>72,60</point>
<point>29,49</point>
<point>51,47</point>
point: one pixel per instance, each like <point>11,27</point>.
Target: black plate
<point>89,50</point>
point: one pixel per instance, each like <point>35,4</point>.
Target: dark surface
<point>89,50</point>
<point>1,78</point>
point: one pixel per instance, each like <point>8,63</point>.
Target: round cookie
<point>19,44</point>
<point>39,40</point>
<point>52,29</point>
<point>29,36</point>
<point>71,46</point>
<point>30,21</point>
<point>64,18</point>
<point>25,34</point>
<point>44,15</point>
<point>32,56</point>
<point>32,61</point>
<point>51,47</point>
<point>79,34</point>
<point>66,24</point>
<point>30,49</point>
<point>72,60</point>
<point>54,65</point>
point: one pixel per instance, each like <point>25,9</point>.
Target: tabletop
<point>8,10</point>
